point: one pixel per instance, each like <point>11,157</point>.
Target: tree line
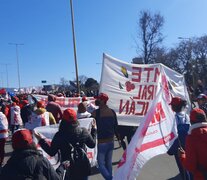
<point>188,57</point>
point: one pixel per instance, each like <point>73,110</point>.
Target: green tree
<point>91,84</point>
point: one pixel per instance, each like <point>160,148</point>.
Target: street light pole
<point>2,80</point>
<point>74,46</point>
<point>17,44</point>
<point>184,38</point>
<point>7,76</point>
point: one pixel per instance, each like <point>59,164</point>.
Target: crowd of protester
<point>16,112</point>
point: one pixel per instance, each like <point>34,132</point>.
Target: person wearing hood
<point>194,157</point>
<point>182,119</point>
<point>26,162</point>
<point>82,112</point>
<point>42,111</point>
<point>40,117</point>
<point>15,117</point>
<point>69,132</point>
<point>54,108</point>
<point>26,111</point>
<point>90,107</point>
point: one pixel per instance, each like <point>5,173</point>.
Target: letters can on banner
<point>133,87</point>
<point>138,104</point>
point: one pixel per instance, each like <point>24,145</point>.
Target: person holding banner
<point>27,162</point>
<point>107,124</point>
<point>41,111</point>
<point>89,106</point>
<point>15,117</point>
<point>194,157</point>
<point>69,133</point>
<point>183,124</point>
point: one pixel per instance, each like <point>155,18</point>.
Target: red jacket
<point>196,150</point>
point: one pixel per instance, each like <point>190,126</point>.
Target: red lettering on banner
<point>152,73</point>
<point>137,74</point>
<point>142,109</point>
<point>148,72</point>
<point>155,143</point>
<point>132,108</point>
<point>146,107</point>
<point>139,93</point>
<point>146,92</point>
<point>157,74</point>
<point>159,114</point>
<point>150,91</point>
<point>138,108</point>
<point>121,108</point>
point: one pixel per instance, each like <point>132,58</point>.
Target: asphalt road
<point>162,167</point>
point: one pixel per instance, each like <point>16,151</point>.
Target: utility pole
<point>74,46</point>
<point>17,57</point>
<point>2,79</point>
<point>7,76</point>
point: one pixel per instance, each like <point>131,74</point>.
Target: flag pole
<point>74,47</point>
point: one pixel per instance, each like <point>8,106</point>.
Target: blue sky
<point>101,26</point>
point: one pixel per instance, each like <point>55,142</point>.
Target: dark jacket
<point>26,111</point>
<point>61,140</point>
<point>107,124</point>
<point>30,163</point>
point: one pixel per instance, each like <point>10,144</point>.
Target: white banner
<point>132,88</point>
<point>49,131</point>
<point>64,102</point>
<point>155,135</point>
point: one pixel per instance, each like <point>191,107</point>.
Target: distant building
<point>137,60</point>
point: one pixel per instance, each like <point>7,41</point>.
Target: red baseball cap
<point>103,97</point>
<point>176,101</point>
<point>21,139</point>
<point>197,115</point>
<point>40,104</point>
<point>69,115</point>
<point>84,98</point>
<point>25,102</point>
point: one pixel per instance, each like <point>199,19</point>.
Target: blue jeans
<point>104,157</point>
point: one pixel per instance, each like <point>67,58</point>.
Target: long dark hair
<point>67,126</point>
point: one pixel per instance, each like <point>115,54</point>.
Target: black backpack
<point>79,161</point>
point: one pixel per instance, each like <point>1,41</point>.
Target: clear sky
<point>101,26</point>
